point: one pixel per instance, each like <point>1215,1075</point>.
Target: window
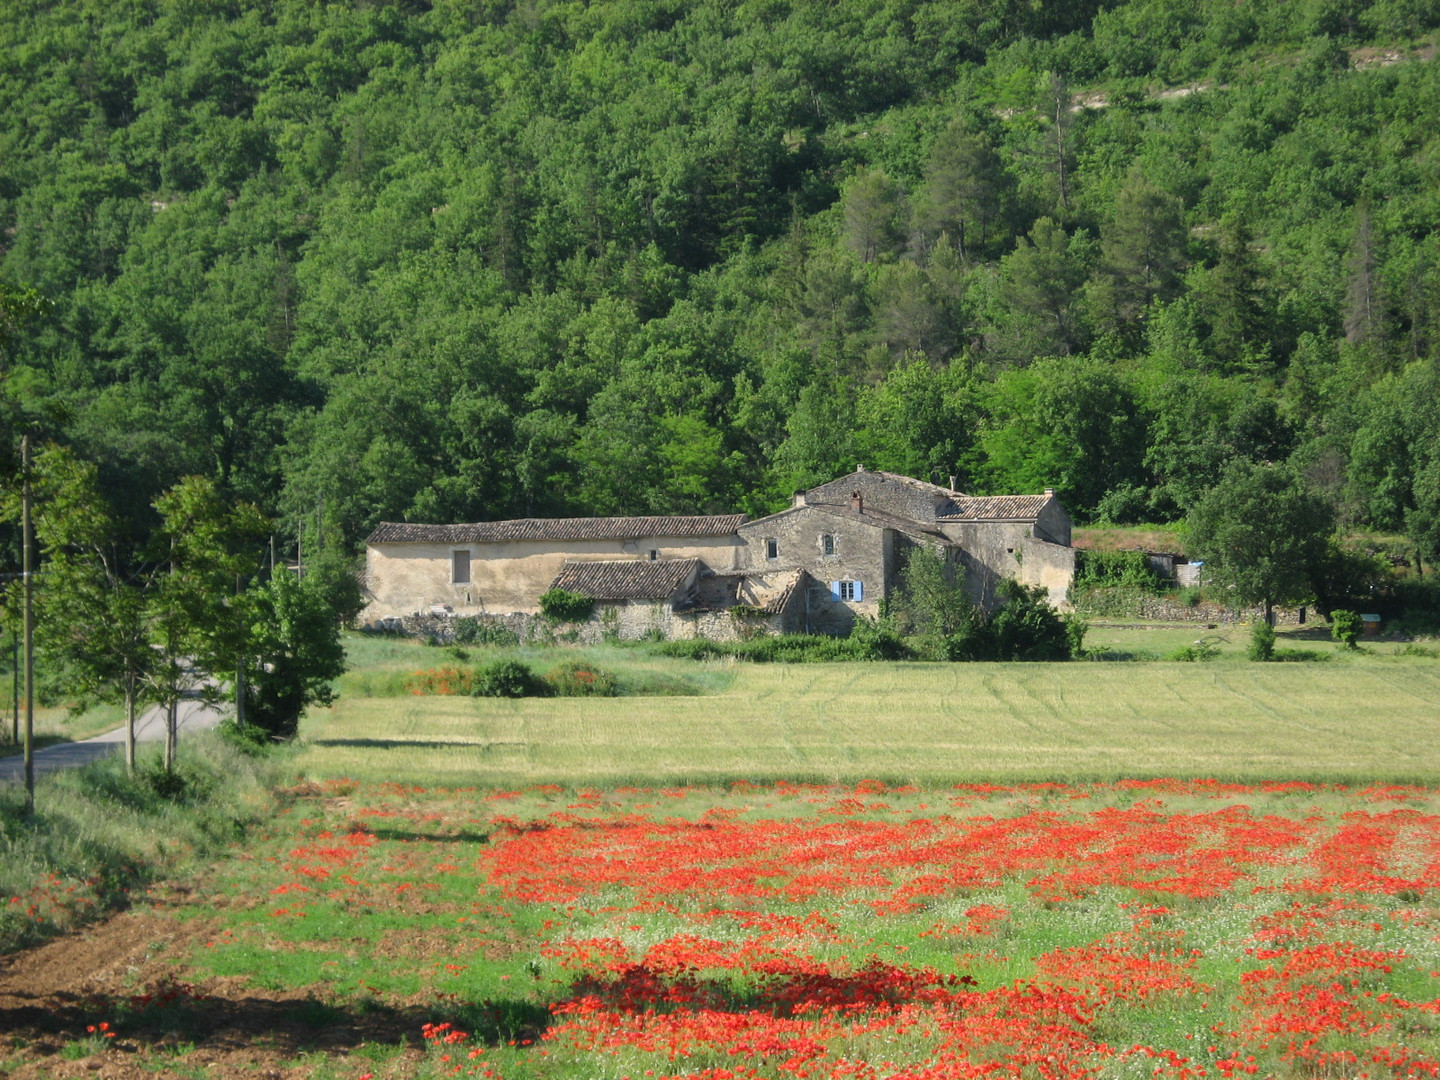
<point>654,554</point>
<point>848,591</point>
<point>460,568</point>
<point>772,548</point>
<point>827,544</point>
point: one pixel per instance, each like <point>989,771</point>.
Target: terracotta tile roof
<point>614,528</point>
<point>629,579</point>
<point>998,508</point>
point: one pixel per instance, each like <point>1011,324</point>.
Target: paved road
<point>149,727</point>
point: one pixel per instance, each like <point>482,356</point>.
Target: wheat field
<point>928,723</point>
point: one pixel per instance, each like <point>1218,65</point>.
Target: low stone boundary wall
<point>610,622</point>
<point>1165,609</point>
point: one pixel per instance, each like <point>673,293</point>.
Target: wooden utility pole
<point>15,685</point>
<point>25,540</point>
<point>239,666</point>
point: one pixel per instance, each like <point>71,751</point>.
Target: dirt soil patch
<point>52,995</point>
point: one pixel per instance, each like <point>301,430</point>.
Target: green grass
<point>96,834</point>
<point>1365,718</point>
<point>1128,537</point>
<point>1124,639</point>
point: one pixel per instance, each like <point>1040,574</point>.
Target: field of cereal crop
<point>931,723</point>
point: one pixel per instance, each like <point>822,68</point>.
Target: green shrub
<point>1116,569</point>
<point>504,678</point>
<point>1346,627</point>
<point>1026,627</point>
<point>250,739</point>
<point>471,630</point>
<point>1110,603</point>
<point>873,642</point>
<point>576,678</point>
<point>877,639</point>
<point>1202,650</point>
<point>561,605</point>
<point>1262,641</point>
<point>1299,656</point>
<point>656,684</point>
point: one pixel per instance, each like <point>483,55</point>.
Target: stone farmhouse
<point>834,554</point>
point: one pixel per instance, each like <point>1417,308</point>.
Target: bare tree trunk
<point>172,732</point>
<point>130,724</point>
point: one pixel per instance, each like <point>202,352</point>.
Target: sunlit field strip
<point>1185,930</point>
<point>918,722</point>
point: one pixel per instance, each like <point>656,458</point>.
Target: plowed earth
<point>49,995</point>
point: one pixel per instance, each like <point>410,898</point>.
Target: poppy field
<point>1175,929</point>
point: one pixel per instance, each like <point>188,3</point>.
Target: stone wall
<point>1170,609</point>
<point>880,493</point>
<point>625,621</point>
<point>860,555</point>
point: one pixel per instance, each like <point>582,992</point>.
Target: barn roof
<point>918,485</point>
<point>611,528</point>
<point>998,507</point>
<point>627,579</point>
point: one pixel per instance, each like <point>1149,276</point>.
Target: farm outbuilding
<point>834,554</point>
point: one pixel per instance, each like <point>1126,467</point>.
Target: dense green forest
<point>476,259</point>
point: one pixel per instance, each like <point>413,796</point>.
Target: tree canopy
<point>1261,533</point>
<point>440,261</point>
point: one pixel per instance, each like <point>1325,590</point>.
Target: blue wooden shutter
<point>835,591</point>
<point>859,591</point>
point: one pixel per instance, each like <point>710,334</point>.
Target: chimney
<point>857,500</point>
<point>1049,491</point>
<point>952,483</point>
<point>798,499</point>
<point>860,468</point>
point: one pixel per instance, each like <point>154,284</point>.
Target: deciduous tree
<point>1261,534</point>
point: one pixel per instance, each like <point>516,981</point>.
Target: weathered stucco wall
<point>1053,524</point>
<point>993,551</point>
<point>1048,565</point>
<point>990,552</point>
<point>504,577</point>
<point>799,534</point>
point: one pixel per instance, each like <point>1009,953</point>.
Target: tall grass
<point>98,835</point>
<point>384,667</point>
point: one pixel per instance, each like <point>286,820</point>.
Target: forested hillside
<point>471,260</point>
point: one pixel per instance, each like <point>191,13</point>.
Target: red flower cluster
<point>804,932</point>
